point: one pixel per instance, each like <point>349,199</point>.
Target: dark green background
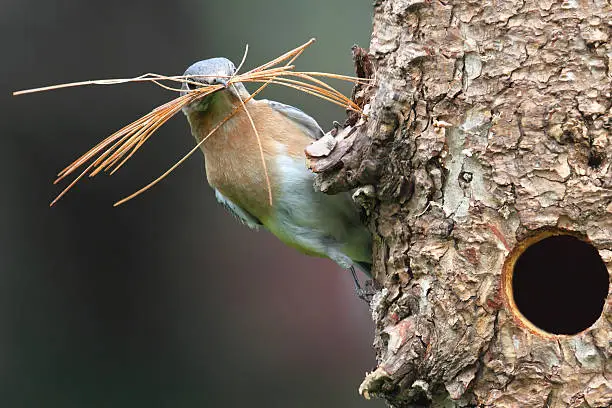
<point>166,301</point>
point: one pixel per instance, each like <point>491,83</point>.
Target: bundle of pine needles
<point>113,152</point>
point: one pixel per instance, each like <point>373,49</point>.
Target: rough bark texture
<point>489,121</point>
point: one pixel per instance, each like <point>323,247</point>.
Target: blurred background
<point>166,301</point>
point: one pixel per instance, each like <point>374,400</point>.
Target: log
<point>488,161</point>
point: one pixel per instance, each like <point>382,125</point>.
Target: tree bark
<point>489,122</point>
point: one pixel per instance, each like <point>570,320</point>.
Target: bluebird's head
<point>212,71</point>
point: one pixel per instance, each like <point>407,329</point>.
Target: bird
<point>310,221</point>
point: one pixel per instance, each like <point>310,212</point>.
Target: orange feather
<point>232,157</point>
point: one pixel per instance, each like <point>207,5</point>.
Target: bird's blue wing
<point>308,124</point>
<point>243,215</point>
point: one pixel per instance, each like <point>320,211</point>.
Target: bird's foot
<point>367,292</point>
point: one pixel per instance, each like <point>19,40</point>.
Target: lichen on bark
<point>489,121</point>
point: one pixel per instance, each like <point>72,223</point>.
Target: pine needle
<point>261,152</point>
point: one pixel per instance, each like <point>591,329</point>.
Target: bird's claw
<point>367,293</point>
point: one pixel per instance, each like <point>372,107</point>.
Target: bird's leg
<point>363,294</point>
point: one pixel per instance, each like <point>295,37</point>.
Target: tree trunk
<point>488,135</point>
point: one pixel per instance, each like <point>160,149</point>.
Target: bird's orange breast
<point>232,154</point>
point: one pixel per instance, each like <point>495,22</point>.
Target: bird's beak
<point>222,81</point>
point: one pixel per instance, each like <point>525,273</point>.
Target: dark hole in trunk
<point>560,284</point>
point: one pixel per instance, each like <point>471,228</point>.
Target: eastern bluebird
<point>315,223</point>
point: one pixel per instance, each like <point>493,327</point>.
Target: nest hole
<point>559,284</point>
